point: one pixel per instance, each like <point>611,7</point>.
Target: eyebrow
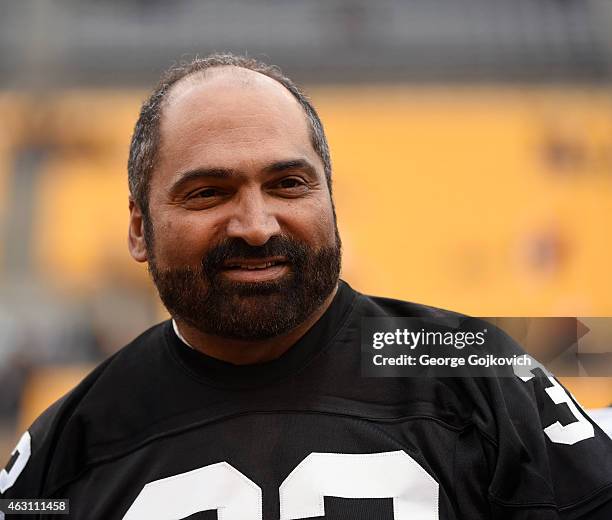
<point>229,173</point>
<point>293,164</point>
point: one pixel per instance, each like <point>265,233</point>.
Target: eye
<point>290,182</point>
<point>205,198</point>
<point>291,187</point>
<point>206,193</point>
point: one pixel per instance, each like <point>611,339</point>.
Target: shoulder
<point>59,436</point>
<point>384,306</point>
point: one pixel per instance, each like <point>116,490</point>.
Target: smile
<point>256,269</point>
<point>262,265</point>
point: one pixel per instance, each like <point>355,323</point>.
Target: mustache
<point>293,250</point>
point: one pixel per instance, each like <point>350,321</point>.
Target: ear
<point>136,239</point>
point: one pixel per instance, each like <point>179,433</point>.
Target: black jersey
<point>161,431</point>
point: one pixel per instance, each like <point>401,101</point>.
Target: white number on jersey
<point>218,487</point>
<point>376,475</point>
<point>222,488</point>
<point>24,447</point>
<point>572,433</point>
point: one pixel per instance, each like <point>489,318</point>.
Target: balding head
<point>227,76</point>
<point>230,105</point>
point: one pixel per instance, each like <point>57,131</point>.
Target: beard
<point>213,304</point>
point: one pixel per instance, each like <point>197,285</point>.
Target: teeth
<point>256,266</point>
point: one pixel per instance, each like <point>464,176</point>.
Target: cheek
<point>314,225</point>
<point>181,242</point>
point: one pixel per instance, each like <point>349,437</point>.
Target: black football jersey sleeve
<point>539,441</point>
<point>29,457</point>
<point>162,431</point>
<point>25,474</point>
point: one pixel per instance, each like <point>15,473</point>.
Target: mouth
<point>255,269</point>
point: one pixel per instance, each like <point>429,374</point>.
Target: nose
<point>253,220</point>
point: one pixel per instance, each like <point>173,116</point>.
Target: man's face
<point>243,241</point>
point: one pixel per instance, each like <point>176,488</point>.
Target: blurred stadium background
<point>471,141</point>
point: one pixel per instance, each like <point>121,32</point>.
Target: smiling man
<point>250,403</point>
<point>237,224</point>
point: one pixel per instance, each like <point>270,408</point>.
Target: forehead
<point>231,114</point>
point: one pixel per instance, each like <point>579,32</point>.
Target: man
<point>249,403</point>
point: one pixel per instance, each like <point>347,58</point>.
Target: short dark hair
<point>146,138</point>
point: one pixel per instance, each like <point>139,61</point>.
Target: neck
<point>242,352</point>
